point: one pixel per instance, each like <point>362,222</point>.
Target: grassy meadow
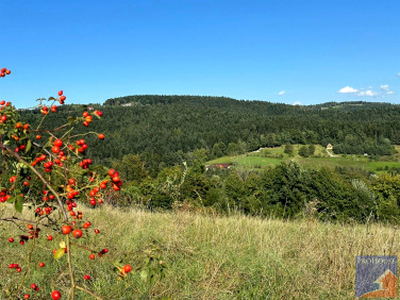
<point>206,256</point>
<point>274,156</point>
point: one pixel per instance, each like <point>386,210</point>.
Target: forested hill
<point>163,129</point>
<point>226,102</point>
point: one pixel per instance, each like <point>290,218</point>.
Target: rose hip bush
<point>47,171</point>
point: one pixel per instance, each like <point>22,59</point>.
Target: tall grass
<point>210,257</point>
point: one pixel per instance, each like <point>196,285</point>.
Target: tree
<point>311,149</point>
<point>131,168</point>
<point>289,149</point>
<point>304,151</point>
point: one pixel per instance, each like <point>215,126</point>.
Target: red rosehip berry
<point>58,143</point>
<point>66,229</point>
<point>77,233</point>
<point>55,295</point>
<point>127,268</point>
<point>55,149</point>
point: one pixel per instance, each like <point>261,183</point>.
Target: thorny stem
<point>57,129</point>
<point>71,272</point>
<point>21,160</point>
<point>41,122</point>
<point>83,247</point>
<point>14,219</point>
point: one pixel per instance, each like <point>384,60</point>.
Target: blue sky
<point>279,51</point>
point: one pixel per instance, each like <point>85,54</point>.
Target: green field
<point>269,157</point>
<point>206,256</point>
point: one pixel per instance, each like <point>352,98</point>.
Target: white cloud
<point>398,74</point>
<point>281,93</point>
<point>368,93</point>
<point>297,103</point>
<point>347,90</point>
<point>385,87</point>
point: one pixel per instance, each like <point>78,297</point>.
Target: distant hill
<point>164,129</point>
<point>351,105</point>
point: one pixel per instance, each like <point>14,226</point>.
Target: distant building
<point>329,147</point>
<point>218,166</point>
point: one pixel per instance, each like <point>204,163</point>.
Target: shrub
<point>47,171</point>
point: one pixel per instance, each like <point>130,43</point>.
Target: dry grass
<point>217,257</point>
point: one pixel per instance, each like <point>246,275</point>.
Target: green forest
<point>161,145</point>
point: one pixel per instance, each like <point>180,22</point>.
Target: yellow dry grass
<point>217,257</point>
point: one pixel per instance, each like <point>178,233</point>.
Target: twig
<point>88,292</point>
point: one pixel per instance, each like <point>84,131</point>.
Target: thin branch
<point>13,220</point>
<point>83,247</point>
<point>88,292</point>
<point>47,130</point>
<point>20,159</point>
<point>71,271</point>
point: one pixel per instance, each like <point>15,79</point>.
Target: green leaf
<point>59,253</point>
<point>143,275</point>
<point>18,205</point>
<point>11,200</point>
<point>28,146</point>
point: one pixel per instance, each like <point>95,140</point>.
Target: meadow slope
<point>209,257</point>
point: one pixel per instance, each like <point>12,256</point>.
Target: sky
<point>295,52</point>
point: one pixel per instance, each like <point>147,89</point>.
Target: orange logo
<point>387,286</point>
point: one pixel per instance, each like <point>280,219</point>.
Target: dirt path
<point>330,154</point>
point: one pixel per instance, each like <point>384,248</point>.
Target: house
<point>218,166</point>
<point>329,147</point>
